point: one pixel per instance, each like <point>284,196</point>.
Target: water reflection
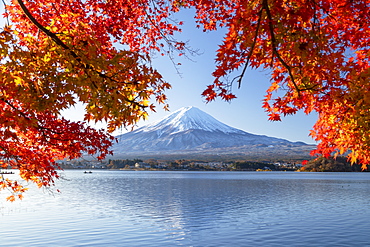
<point>195,209</point>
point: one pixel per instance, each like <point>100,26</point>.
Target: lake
<point>184,208</point>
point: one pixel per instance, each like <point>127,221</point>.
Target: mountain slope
<point>190,129</point>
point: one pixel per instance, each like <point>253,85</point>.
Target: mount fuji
<point>190,130</point>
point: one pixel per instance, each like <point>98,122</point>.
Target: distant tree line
<point>252,166</point>
<point>339,164</point>
<point>119,164</point>
<point>183,164</point>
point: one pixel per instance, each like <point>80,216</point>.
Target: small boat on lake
<point>6,172</point>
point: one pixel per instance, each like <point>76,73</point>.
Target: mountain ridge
<point>190,130</point>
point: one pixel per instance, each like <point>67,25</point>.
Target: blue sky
<point>244,113</point>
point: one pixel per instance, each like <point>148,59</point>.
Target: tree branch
<point>59,42</point>
<point>252,48</point>
<point>6,12</point>
<point>40,127</point>
<point>274,48</point>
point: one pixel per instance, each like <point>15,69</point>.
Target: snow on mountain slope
<point>188,118</point>
<point>190,129</point>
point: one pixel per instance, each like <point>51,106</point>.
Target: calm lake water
<point>157,208</point>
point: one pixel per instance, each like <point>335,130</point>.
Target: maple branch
<point>6,12</point>
<point>46,31</point>
<point>314,16</point>
<point>274,48</point>
<point>59,42</point>
<point>16,109</point>
<point>240,77</point>
<point>326,11</point>
<point>43,129</point>
<point>316,27</point>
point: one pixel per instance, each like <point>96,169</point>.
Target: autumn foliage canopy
<point>55,53</point>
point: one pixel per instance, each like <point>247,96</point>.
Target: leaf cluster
<point>55,54</point>
<point>318,55</point>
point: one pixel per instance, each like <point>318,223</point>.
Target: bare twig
<point>170,42</point>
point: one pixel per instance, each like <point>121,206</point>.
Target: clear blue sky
<point>244,113</point>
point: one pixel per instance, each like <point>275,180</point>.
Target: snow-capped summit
<point>191,130</point>
<point>188,118</point>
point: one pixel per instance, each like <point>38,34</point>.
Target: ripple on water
<point>193,209</point>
